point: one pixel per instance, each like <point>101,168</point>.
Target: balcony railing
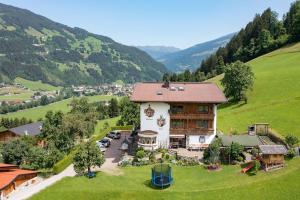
<point>192,131</point>
<point>191,116</point>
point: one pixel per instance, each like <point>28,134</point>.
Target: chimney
<point>166,84</point>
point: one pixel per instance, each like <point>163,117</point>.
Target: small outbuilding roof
<point>192,92</point>
<point>273,149</point>
<point>245,140</point>
<point>32,129</point>
<point>7,177</point>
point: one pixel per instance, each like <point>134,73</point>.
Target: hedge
<point>65,162</point>
<point>127,127</point>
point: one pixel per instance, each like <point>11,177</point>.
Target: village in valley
<point>83,128</point>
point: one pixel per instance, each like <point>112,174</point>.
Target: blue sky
<point>180,23</point>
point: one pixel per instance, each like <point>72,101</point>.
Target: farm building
<point>31,129</point>
<point>272,156</point>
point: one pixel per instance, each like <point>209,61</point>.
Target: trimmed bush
<point>127,127</point>
<point>64,163</point>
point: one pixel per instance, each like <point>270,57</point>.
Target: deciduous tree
<point>237,80</point>
<point>87,156</point>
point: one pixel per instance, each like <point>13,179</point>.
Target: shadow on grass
<point>233,105</point>
<point>148,184</point>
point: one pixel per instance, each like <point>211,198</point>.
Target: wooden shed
<point>11,177</point>
<point>272,156</point>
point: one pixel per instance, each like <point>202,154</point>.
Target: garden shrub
<point>152,157</point>
<point>233,152</point>
<point>140,154</point>
<point>291,140</point>
<point>254,152</point>
<point>291,153</point>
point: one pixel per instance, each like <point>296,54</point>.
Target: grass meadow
<point>39,112</point>
<point>275,97</point>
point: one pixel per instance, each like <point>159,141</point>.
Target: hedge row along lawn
<point>39,112</point>
<point>275,98</point>
<point>189,183</point>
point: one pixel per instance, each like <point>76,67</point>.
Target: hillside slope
<point>36,48</point>
<point>192,57</point>
<point>275,97</point>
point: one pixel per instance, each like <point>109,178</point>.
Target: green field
<point>275,98</point>
<point>22,96</point>
<point>39,112</point>
<point>36,85</point>
<point>189,183</point>
<point>110,121</point>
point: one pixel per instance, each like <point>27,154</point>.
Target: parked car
<point>114,135</point>
<point>101,147</point>
<point>105,142</point>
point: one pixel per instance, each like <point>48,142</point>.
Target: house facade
<point>177,114</point>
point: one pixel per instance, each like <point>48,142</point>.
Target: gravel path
<point>30,190</point>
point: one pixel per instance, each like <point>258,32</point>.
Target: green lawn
<point>110,121</point>
<point>36,85</point>
<point>190,183</point>
<point>39,112</point>
<point>275,97</point>
<point>22,96</point>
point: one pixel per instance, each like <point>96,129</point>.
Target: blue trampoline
<point>162,175</point>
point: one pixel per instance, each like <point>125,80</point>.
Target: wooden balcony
<point>191,131</point>
<point>191,116</point>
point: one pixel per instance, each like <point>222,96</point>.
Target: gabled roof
<point>245,140</point>
<point>4,166</point>
<point>273,149</point>
<point>178,92</point>
<point>8,177</point>
<point>28,129</point>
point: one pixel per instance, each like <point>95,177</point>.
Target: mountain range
<point>158,51</point>
<point>36,48</point>
<point>192,57</point>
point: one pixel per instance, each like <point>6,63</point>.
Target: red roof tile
<point>7,165</point>
<point>192,92</point>
<point>9,176</point>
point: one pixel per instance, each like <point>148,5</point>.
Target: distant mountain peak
<point>192,57</point>
<point>158,51</point>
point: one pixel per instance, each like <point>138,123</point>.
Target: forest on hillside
<point>263,34</point>
<point>35,48</point>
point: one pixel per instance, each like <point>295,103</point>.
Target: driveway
<point>112,156</point>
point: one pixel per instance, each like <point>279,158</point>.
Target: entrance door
<point>177,142</point>
<point>182,142</point>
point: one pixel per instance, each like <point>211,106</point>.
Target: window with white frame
<point>202,139</point>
